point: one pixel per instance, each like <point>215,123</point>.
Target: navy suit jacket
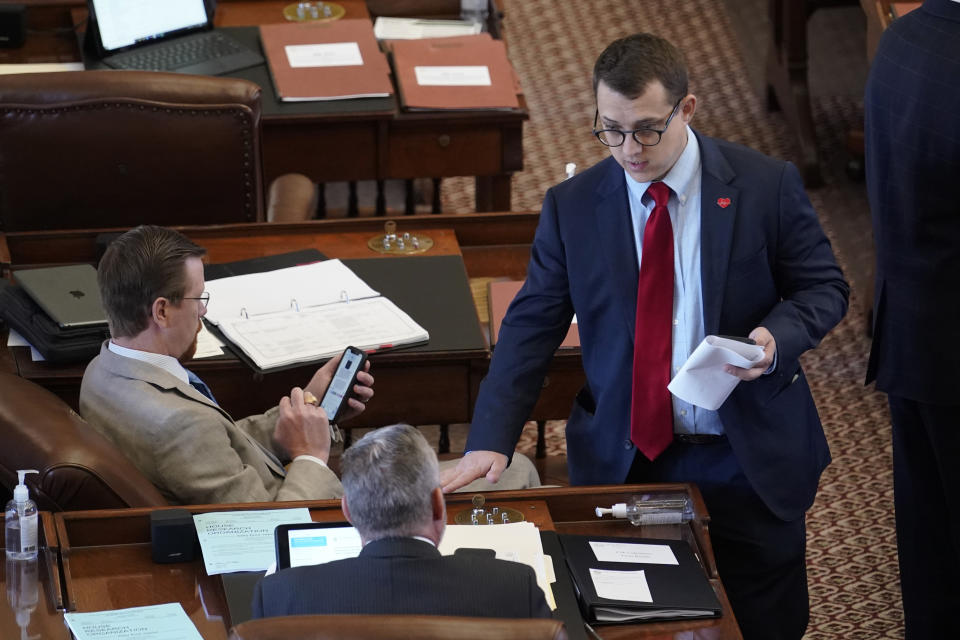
<point>765,261</point>
<point>912,127</point>
<point>404,576</point>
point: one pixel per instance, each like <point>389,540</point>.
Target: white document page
<point>242,540</point>
<point>621,585</point>
<point>14,339</point>
<point>460,76</point>
<point>514,541</point>
<point>385,28</point>
<point>320,332</point>
<point>155,622</point>
<point>302,286</point>
<point>207,344</point>
<point>334,54</point>
<point>702,381</point>
<point>633,552</point>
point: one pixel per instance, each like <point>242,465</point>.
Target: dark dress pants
<point>761,558</point>
<point>926,492</point>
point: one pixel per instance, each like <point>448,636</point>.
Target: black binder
<point>678,590</point>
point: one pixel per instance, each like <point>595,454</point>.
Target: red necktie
<point>651,413</point>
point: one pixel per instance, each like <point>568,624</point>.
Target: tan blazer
<point>189,447</point>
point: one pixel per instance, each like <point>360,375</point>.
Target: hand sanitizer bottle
<point>651,509</point>
<point>21,522</point>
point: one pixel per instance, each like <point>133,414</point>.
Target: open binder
<point>306,313</point>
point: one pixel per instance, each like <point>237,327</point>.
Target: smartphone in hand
<point>334,400</point>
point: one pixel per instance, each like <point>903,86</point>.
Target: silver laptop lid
<point>69,294</point>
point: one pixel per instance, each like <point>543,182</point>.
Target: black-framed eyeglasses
<point>204,299</point>
<point>646,136</point>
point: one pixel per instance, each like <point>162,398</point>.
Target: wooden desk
<point>105,557</point>
<point>426,384</point>
<point>346,140</point>
<point>494,244</point>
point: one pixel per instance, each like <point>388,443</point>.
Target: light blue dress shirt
<point>688,328</point>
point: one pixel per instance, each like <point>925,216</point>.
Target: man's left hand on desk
<point>764,338</point>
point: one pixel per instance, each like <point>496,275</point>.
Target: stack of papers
<point>515,541</point>
<point>414,28</point>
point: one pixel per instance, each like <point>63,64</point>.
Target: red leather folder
<point>457,52</point>
<point>283,45</point>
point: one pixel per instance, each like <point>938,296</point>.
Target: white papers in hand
<point>621,585</point>
<point>702,381</point>
<point>242,540</point>
<point>633,552</point>
<point>157,622</point>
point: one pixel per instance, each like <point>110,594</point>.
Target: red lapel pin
<point>723,202</point>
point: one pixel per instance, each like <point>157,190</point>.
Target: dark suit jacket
<point>404,576</point>
<point>765,261</point>
<point>912,118</point>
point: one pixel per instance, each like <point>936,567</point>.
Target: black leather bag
<point>55,343</point>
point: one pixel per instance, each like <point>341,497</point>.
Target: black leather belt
<point>698,438</point>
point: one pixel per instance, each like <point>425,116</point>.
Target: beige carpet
<point>852,551</point>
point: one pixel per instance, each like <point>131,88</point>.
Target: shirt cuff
<point>311,458</point>
<point>772,366</point>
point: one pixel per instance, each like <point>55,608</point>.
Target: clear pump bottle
<point>652,508</point>
<point>21,522</point>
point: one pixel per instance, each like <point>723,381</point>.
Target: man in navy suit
<point>912,127</point>
<point>747,257</point>
<point>391,494</point>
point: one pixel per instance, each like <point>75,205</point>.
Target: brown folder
<point>417,63</point>
<point>501,295</point>
<point>284,45</point>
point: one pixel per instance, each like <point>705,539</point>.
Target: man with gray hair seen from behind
<point>392,495</point>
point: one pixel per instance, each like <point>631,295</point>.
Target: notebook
<point>69,294</point>
<point>165,35</point>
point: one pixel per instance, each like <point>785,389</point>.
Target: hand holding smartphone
<point>334,400</point>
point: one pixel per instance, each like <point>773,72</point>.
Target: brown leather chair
<point>365,627</point>
<point>79,468</point>
<point>92,149</point>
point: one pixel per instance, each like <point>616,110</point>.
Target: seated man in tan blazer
<point>165,419</point>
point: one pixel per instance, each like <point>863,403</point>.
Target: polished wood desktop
<point>369,139</point>
<point>104,557</point>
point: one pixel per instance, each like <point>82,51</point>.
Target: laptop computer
<point>165,35</point>
<point>69,294</point>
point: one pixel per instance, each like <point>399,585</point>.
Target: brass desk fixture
<point>478,515</point>
<point>401,245</point>
<point>313,11</point>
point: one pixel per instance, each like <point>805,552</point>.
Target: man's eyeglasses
<point>646,136</point>
<point>204,299</point>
